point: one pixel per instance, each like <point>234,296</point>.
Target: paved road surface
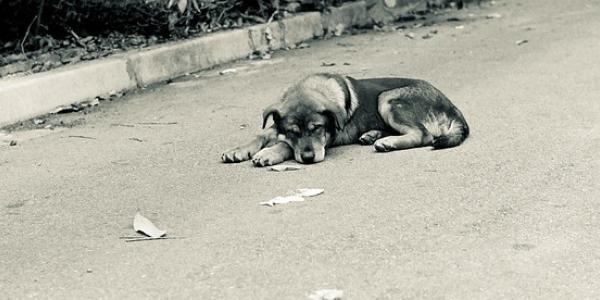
<point>512,213</point>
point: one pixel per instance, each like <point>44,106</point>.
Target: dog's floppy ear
<point>335,112</point>
<point>274,111</point>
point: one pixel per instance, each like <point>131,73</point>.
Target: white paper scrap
<point>281,168</point>
<point>283,200</point>
<point>327,294</point>
<point>145,226</point>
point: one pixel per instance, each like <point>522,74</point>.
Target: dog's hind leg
<point>273,155</point>
<point>245,152</point>
<point>401,109</point>
<point>411,139</point>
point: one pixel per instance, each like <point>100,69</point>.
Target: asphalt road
<point>511,213</point>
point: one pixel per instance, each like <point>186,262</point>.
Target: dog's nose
<point>308,157</point>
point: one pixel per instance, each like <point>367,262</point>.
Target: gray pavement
<point>512,213</point>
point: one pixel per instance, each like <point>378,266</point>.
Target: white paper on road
<point>281,168</point>
<point>327,294</point>
<point>282,200</point>
<point>297,196</point>
<point>145,226</point>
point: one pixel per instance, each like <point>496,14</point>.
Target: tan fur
<point>329,88</point>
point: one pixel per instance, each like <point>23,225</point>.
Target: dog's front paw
<point>237,155</point>
<point>268,157</point>
<point>369,137</point>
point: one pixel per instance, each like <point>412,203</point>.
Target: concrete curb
<point>26,97</point>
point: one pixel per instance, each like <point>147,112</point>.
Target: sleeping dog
<point>327,110</point>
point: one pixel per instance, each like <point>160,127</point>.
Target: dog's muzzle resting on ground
<point>326,110</point>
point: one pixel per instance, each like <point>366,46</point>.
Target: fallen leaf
<point>182,5</point>
<point>282,168</point>
<point>521,42</point>
<point>303,45</point>
<point>309,192</point>
<point>327,294</point>
<point>339,29</point>
<point>64,109</point>
<point>228,71</point>
<point>523,247</point>
<point>145,226</point>
<point>268,34</point>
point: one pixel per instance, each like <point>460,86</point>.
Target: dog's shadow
<point>359,150</point>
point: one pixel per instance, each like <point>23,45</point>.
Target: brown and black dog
<point>326,110</point>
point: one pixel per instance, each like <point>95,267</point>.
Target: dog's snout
<point>308,157</point>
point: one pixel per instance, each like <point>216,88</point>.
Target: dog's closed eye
<point>292,130</point>
<point>315,127</point>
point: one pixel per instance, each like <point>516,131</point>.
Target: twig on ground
<point>123,125</point>
<point>272,17</point>
<point>39,15</point>
<point>26,35</point>
<point>256,19</point>
<point>144,124</point>
<point>77,38</point>
<point>196,6</point>
<point>157,123</point>
<point>147,238</point>
<point>82,137</point>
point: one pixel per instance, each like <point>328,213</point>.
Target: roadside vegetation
<point>39,35</point>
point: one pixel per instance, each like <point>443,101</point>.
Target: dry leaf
<point>521,42</point>
<point>303,45</point>
<point>339,29</point>
<point>309,192</point>
<point>228,71</point>
<point>145,226</point>
<point>182,5</point>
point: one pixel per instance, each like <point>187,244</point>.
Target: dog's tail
<point>456,133</point>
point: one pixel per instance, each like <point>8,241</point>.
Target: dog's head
<point>311,113</point>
